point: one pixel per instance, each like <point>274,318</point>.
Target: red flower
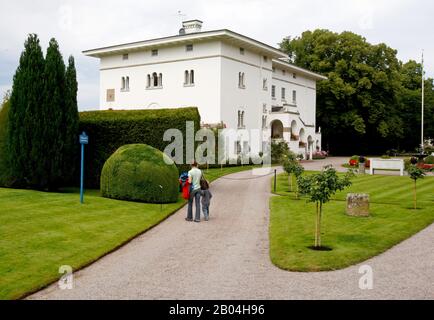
<point>353,162</point>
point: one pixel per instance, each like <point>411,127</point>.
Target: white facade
<point>229,77</point>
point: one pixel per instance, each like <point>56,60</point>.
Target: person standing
<point>194,176</point>
<point>206,200</point>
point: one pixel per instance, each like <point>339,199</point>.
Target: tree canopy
<point>371,100</point>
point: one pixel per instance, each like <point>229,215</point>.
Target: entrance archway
<point>276,129</point>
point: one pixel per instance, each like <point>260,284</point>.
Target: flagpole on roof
<point>423,89</point>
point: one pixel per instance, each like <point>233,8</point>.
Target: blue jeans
<point>205,210</point>
<point>196,196</point>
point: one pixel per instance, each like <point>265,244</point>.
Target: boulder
<point>358,204</point>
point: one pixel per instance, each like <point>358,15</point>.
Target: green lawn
<point>41,231</point>
<point>353,240</point>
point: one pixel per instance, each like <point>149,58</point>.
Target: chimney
<point>192,26</point>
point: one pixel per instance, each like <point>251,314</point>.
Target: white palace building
<point>232,79</point>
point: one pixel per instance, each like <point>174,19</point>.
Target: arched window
<point>160,80</point>
<point>148,82</point>
<point>191,76</point>
<point>240,80</point>
<point>186,77</point>
<point>123,83</point>
<point>127,84</point>
<point>154,80</point>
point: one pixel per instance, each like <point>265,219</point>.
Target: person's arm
<point>189,178</point>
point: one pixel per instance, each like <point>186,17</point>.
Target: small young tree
<point>279,151</point>
<point>319,188</point>
<point>293,167</point>
<point>288,165</point>
<point>415,173</point>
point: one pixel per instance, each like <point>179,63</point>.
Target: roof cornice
<point>223,34</point>
<point>294,68</point>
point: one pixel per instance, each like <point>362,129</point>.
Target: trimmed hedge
<point>429,160</point>
<point>135,172</point>
<point>111,129</point>
<point>5,179</point>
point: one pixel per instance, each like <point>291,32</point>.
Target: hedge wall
<point>111,129</point>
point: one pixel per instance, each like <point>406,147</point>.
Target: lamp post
<point>161,197</point>
<point>84,139</point>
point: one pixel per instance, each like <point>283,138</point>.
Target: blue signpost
<point>84,139</point>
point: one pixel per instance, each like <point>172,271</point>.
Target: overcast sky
<point>406,25</point>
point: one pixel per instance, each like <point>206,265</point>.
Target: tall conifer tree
<point>70,119</point>
<point>54,108</point>
<point>26,125</point>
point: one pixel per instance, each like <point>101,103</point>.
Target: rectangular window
<point>154,52</point>
<point>265,59</point>
<point>283,94</point>
<point>242,51</point>
<point>294,75</point>
<point>273,91</point>
<point>294,96</point>
<point>274,69</point>
<point>284,72</point>
<point>189,47</point>
<point>237,147</point>
<point>125,56</point>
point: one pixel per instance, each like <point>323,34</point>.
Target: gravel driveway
<point>227,258</point>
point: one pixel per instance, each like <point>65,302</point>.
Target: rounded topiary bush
<point>136,172</point>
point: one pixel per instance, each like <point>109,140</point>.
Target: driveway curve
<point>228,258</point>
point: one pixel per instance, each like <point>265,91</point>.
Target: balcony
<point>285,108</point>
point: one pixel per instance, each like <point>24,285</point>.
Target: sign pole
<point>82,173</point>
<point>84,139</point>
<point>423,96</point>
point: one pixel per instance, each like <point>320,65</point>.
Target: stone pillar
<point>358,204</point>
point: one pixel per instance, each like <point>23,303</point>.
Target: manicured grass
<point>353,239</point>
<point>42,231</point>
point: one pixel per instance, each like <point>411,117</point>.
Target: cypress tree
<point>71,121</point>
<point>53,107</point>
<point>26,125</point>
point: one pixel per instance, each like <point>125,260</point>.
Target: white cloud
<point>79,25</point>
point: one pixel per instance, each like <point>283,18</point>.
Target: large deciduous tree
<point>359,107</point>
